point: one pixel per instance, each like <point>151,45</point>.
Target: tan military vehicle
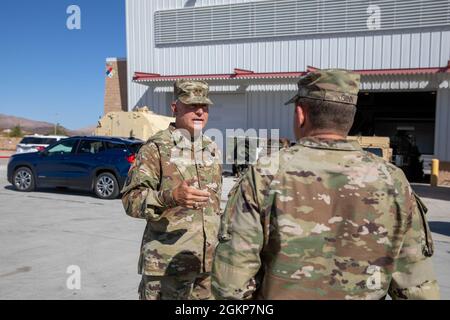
<point>377,145</point>
<point>249,151</point>
<point>140,124</point>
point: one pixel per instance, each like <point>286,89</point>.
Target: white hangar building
<point>253,52</point>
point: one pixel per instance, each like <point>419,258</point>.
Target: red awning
<point>241,74</point>
<point>238,74</point>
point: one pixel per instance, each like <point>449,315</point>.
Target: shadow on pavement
<point>60,190</point>
<point>426,191</point>
<point>440,227</point>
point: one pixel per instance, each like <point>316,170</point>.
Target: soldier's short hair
<point>329,115</point>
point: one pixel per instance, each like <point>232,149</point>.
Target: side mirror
<point>44,153</point>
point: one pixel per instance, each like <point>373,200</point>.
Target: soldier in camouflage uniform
<point>329,220</point>
<point>175,184</point>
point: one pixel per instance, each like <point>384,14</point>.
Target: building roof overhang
<point>239,76</point>
<point>247,77</point>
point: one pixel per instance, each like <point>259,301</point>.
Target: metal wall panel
<point>266,110</point>
<point>428,47</point>
<point>281,18</point>
<point>442,129</point>
<point>381,49</point>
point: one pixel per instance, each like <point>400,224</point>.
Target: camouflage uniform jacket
<point>330,222</point>
<point>177,240</point>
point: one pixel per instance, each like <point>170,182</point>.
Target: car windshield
<point>63,147</point>
<point>37,140</point>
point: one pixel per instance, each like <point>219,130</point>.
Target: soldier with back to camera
<point>330,221</point>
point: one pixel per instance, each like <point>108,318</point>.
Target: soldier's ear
<point>173,106</point>
<point>300,115</point>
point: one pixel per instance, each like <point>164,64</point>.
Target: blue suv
<point>98,164</point>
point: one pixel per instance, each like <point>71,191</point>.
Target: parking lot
<point>43,233</point>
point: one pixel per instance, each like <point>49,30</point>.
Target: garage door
<point>407,118</point>
<point>228,112</point>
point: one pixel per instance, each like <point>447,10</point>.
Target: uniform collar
<point>182,142</point>
<point>330,144</point>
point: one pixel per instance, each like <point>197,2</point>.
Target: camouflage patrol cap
<point>192,92</point>
<point>334,85</point>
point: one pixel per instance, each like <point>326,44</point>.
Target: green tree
<point>16,132</point>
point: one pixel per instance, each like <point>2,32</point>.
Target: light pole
<point>56,122</point>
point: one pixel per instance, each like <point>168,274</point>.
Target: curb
<point>1,157</point>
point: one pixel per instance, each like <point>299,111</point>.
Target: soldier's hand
<point>186,196</point>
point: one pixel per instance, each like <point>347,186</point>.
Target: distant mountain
<point>83,131</point>
<point>39,127</point>
<point>9,122</point>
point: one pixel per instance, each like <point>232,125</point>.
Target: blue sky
<point>47,69</point>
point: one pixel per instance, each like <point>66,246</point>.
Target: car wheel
<point>106,186</point>
<point>23,180</point>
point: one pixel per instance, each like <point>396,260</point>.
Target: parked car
<point>98,164</point>
<point>36,143</point>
